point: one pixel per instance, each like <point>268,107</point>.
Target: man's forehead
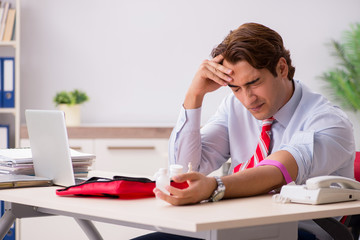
<point>241,67</point>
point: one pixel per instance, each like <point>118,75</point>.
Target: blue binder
<point>8,82</point>
<point>11,233</point>
<point>1,83</point>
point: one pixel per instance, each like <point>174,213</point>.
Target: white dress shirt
<point>317,134</point>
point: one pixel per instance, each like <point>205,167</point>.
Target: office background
<point>136,58</point>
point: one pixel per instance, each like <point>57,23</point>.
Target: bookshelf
<point>11,116</point>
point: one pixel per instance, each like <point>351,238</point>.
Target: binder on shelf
<point>8,82</point>
<point>4,136</point>
<point>1,84</point>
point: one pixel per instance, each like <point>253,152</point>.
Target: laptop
<point>50,146</point>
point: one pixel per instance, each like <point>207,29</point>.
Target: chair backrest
<point>357,166</point>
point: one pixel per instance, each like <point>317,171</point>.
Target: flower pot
<point>72,114</point>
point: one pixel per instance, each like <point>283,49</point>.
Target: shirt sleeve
<point>184,142</point>
<point>325,146</point>
<point>206,148</point>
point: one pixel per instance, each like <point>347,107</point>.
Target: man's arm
<point>248,182</point>
<point>185,142</point>
<point>210,76</point>
<point>261,179</point>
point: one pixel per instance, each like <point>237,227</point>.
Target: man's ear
<point>282,68</point>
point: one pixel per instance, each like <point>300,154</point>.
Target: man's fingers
<point>217,72</point>
<point>220,68</point>
<point>179,193</point>
<point>173,199</point>
<point>218,58</point>
<point>217,76</point>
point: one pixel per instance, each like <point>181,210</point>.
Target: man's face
<point>258,90</point>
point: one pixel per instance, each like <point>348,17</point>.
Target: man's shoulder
<point>315,102</point>
<point>315,105</point>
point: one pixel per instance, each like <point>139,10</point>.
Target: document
<point>24,155</point>
<point>19,161</point>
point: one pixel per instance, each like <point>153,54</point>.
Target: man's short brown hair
<point>257,44</point>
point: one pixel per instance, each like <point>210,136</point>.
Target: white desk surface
<point>225,214</point>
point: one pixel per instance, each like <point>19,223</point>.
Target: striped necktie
<point>262,149</point>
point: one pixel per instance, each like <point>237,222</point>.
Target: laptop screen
<point>49,146</point>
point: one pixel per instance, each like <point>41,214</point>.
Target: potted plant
<point>70,102</point>
<point>345,79</point>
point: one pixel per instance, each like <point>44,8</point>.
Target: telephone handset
<point>328,181</point>
<point>320,190</point>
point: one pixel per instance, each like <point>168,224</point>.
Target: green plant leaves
<point>345,78</point>
<point>70,98</point>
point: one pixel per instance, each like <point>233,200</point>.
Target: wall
<point>136,58</point>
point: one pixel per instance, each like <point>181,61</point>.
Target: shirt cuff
<point>192,118</point>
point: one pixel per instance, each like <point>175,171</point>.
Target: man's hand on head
<point>210,76</point>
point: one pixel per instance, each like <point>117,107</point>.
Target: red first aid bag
<point>118,187</point>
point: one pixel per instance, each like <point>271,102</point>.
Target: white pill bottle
<point>175,169</point>
<point>162,180</point>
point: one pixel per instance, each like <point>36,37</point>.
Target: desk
<point>219,220</point>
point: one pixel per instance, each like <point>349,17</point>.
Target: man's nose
<point>248,98</point>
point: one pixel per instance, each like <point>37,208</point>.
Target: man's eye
<point>236,89</point>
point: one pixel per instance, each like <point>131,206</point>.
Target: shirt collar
<point>285,113</point>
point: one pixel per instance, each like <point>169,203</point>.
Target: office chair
<point>348,228</point>
<point>353,222</point>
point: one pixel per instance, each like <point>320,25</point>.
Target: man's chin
<point>260,115</point>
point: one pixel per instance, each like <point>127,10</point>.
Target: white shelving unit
<point>11,116</point>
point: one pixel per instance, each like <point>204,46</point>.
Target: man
<point>309,137</point>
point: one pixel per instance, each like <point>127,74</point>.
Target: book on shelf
<point>1,14</point>
<point>7,22</point>
<point>9,25</point>
<point>3,19</point>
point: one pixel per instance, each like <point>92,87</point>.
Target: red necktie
<point>262,149</point>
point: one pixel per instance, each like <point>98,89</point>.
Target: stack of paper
<point>18,161</point>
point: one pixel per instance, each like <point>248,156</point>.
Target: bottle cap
<point>175,169</point>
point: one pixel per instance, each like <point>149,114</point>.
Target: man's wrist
<point>214,186</point>
<point>193,101</point>
<point>219,191</point>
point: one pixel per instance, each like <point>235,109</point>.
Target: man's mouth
<point>257,108</point>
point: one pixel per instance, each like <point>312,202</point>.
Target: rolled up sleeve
<point>328,150</point>
<point>301,147</point>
